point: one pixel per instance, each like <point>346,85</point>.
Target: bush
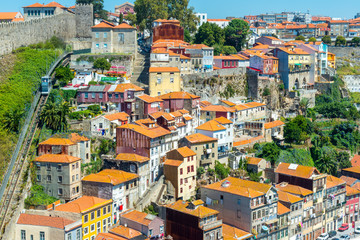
<point>96,109</point>
<point>38,197</point>
<point>266,92</point>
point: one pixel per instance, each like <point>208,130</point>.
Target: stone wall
<point>344,51</point>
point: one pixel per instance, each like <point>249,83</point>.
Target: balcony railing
<point>211,225</point>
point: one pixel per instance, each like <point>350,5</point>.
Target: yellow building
<point>331,60</point>
<point>95,213</point>
<point>164,80</point>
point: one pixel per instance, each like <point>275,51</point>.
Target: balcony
<point>299,69</point>
<point>211,225</point>
<point>205,161</point>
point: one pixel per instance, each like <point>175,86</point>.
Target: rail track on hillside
<point>11,195</point>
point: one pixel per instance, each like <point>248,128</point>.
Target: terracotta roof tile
<point>163,69</point>
<point>151,132</point>
<point>124,26</point>
<point>230,104</point>
<point>139,217</point>
<point>199,138</point>
<point>8,15</point>
<point>273,124</point>
<point>57,158</point>
<point>112,176</point>
<point>126,232</point>
<point>223,120</point>
<point>132,157</point>
<point>108,236</point>
<point>212,126</point>
<point>104,24</point>
<point>54,4</point>
<point>332,181</point>
<point>178,95</point>
<point>233,233</point>
<point>355,161</point>
<point>173,162</point>
<point>355,169</point>
<point>349,180</point>
<point>45,221</point>
<point>282,209</point>
<point>205,103</point>
<point>165,115</point>
<point>253,160</point>
<point>127,86</point>
<point>217,108</point>
<point>75,137</point>
<point>294,189</point>
<point>218,20</point>
<point>240,187</point>
<point>35,5</point>
<point>351,191</point>
<point>176,114</point>
<point>295,51</point>
<point>199,212</point>
<point>57,141</point>
<point>185,152</point>
<point>300,171</point>
<point>288,197</point>
<point>249,141</point>
<point>122,116</point>
<point>187,117</point>
<point>226,57</point>
<point>148,99</point>
<point>83,204</point>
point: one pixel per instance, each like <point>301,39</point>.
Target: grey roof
<point>95,88</point>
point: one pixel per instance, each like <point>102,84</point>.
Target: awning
<point>271,221</point>
<point>298,64</point>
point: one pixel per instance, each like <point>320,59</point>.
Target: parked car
<point>357,230</point>
<point>323,236</point>
<point>344,227</point>
<point>345,237</point>
<point>332,233</point>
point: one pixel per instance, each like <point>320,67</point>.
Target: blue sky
<point>236,8</point>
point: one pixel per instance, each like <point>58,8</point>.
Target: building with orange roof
<point>180,172</point>
<point>163,80</point>
<point>225,62</point>
<point>111,38</point>
<point>123,233</point>
<point>150,141</point>
<point>215,111</point>
<point>233,233</point>
<point>167,29</point>
<point>257,165</point>
<point>38,10</point>
<point>272,42</point>
<point>264,64</point>
<point>149,225</point>
<point>201,57</point>
<point>6,17</point>
<point>149,105</point>
<point>205,147</point>
<point>46,226</point>
<point>105,125</point>
<point>283,225</point>
<point>199,222</point>
<point>274,129</point>
<point>120,186</point>
<point>95,213</point>
<point>231,194</point>
<point>352,204</point>
<point>339,27</point>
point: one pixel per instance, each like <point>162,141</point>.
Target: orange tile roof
<point>351,191</point>
<point>230,104</point>
<point>355,161</point>
<point>178,95</point>
<point>151,133</point>
<point>163,69</point>
<point>127,86</point>
<point>54,4</point>
<point>240,187</point>
<point>126,232</point>
<point>245,142</point>
<point>176,114</point>
<point>172,162</point>
<point>75,137</point>
<point>132,157</point>
<point>197,46</point>
<point>223,120</point>
<point>233,233</point>
<point>226,57</point>
<point>149,99</point>
<point>349,180</point>
<point>293,189</point>
<point>254,104</point>
<point>295,51</point>
<point>199,138</point>
<point>273,124</point>
<point>165,115</point>
<point>136,216</point>
<point>7,15</point>
<point>83,204</point>
<point>212,126</point>
<point>253,160</point>
<point>104,24</point>
<point>332,181</point>
<point>339,21</point>
<point>205,103</point>
<point>288,197</point>
<point>197,202</point>
<point>35,5</point>
<point>282,209</point>
<point>160,50</point>
<point>112,176</point>
<point>217,108</point>
<point>57,158</point>
<point>355,169</point>
<point>240,57</point>
<point>57,141</point>
<point>108,236</point>
<point>185,152</point>
<point>200,211</point>
<point>187,117</point>
<point>18,20</point>
<point>124,26</point>
<point>145,121</point>
<point>122,116</point>
<point>45,221</point>
<point>300,171</point>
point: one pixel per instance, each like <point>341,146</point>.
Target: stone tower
<point>84,18</point>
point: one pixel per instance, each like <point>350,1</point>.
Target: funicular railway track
<point>8,200</point>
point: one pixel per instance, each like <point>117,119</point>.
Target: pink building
<point>181,100</point>
<point>264,64</point>
<point>148,105</point>
<point>224,62</point>
<point>352,205</point>
<point>125,8</point>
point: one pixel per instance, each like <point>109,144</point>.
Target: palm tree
<point>54,115</point>
<point>304,104</point>
<point>12,120</point>
<point>326,164</point>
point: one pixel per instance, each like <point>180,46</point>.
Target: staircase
<point>140,74</point>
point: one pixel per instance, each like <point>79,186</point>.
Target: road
<point>349,232</point>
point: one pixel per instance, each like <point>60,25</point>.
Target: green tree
<point>266,92</point>
<point>102,64</point>
<point>300,38</point>
<point>228,92</point>
<point>254,176</point>
<point>131,18</point>
<point>355,41</point>
<point>181,11</point>
<point>344,160</point>
<point>149,10</point>
<point>312,39</point>
<point>326,39</point>
<point>304,105</point>
<point>221,170</point>
<point>227,50</point>
<point>187,36</point>
<point>326,161</point>
<point>121,18</point>
<point>54,115</point>
<point>340,41</point>
<point>210,34</point>
<point>63,75</point>
<point>292,132</point>
<point>12,120</point>
<point>98,7</point>
<point>236,33</point>
<point>269,151</point>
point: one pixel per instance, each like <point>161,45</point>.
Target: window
<point>59,168</point>
<point>98,213</point>
<point>104,210</point>
<point>116,96</point>
<point>97,45</point>
<point>38,178</point>
<point>42,235</point>
<point>105,35</point>
<point>150,232</point>
<point>86,230</point>
<point>92,216</point>
<point>192,168</point>
<point>98,227</point>
<point>49,178</point>
<point>239,201</point>
<point>121,37</point>
<point>60,191</point>
<point>78,237</point>
<point>93,95</point>
<point>100,125</point>
<point>86,218</point>
<point>104,225</point>
<point>86,95</point>
<point>181,181</point>
<point>59,179</point>
<point>96,35</point>
<point>69,236</point>
<point>181,190</point>
<point>73,178</point>
<point>105,45</point>
<point>100,95</point>
<point>23,235</point>
<point>109,208</point>
<point>92,227</point>
<point>181,171</point>
<point>109,222</point>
